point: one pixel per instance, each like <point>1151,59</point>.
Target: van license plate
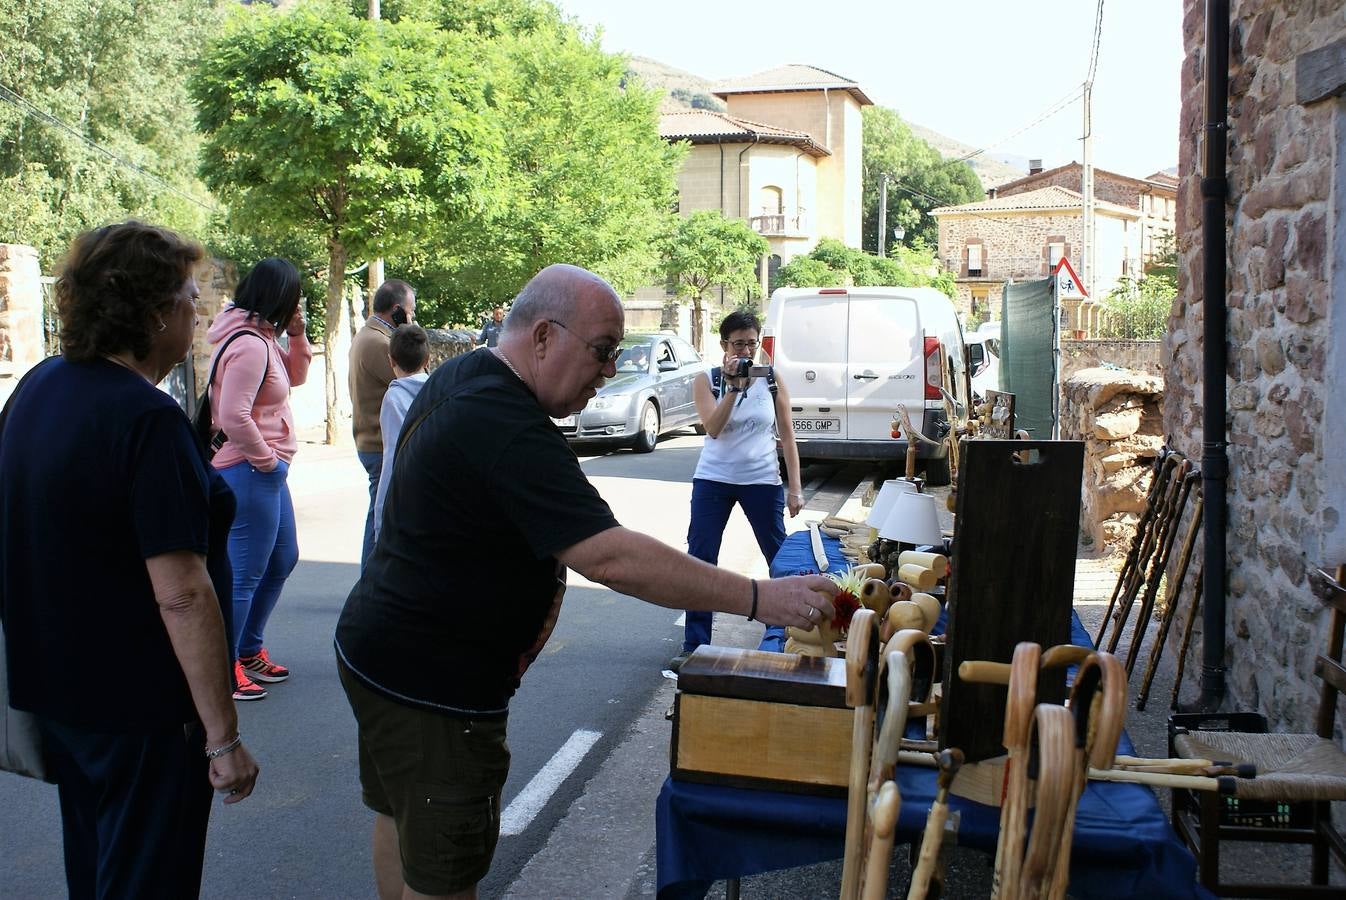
<point>817,426</point>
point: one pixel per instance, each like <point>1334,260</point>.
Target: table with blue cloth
<point>1123,844</point>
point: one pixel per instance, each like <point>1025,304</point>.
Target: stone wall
<point>1138,356</point>
<point>1117,415</point>
<point>446,343</point>
<point>1281,407</point>
<point>1014,244</point>
<point>21,343</point>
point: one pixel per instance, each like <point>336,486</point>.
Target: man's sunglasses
<point>603,353</point>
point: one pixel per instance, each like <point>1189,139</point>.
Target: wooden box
<point>775,721</point>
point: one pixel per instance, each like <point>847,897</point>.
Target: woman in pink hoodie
<point>250,403</point>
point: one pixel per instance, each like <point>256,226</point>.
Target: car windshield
<point>634,359</point>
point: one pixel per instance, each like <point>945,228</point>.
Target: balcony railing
<point>780,224</point>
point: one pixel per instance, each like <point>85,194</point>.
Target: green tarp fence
<point>1027,358</point>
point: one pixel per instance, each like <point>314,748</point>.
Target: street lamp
<point>899,233</point>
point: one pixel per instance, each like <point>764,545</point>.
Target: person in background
<point>409,353</point>
<point>743,418</point>
<point>490,330</point>
<point>370,375</point>
<point>250,403</point>
<point>486,483</point>
<point>113,556</point>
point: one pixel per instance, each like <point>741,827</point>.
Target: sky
<point>977,71</point>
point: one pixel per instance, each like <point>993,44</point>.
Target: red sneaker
<point>261,668</point>
<point>244,687</point>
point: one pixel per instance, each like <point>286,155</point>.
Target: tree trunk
<point>696,322</point>
<point>336,282</point>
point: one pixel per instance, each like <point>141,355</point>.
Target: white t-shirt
<point>396,402</point>
<point>745,450</point>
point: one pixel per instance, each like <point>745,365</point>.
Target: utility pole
<point>1087,274</point>
<point>883,213</point>
<point>375,265</point>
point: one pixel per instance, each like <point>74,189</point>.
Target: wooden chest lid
<point>761,675</point>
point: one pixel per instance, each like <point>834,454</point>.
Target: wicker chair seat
<point>1290,767</point>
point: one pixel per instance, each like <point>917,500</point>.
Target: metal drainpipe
<point>1214,458</point>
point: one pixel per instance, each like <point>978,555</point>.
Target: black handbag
<point>211,440</point>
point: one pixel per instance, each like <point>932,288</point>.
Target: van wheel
<point>937,472</point>
<point>648,435</point>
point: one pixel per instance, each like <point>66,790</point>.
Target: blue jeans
<point>373,463</point>
<point>263,548</point>
<point>712,502</point>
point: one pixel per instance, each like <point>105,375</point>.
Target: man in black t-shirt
<point>429,653</point>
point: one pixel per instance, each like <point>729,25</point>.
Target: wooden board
<point>761,744</point>
<point>1012,578</point>
<point>1002,405</point>
<point>760,675</point>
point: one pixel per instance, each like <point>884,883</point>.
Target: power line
<point>46,118</point>
<point>1098,40</point>
<point>1051,111</point>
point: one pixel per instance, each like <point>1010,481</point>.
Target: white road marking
<point>529,801</point>
<point>680,621</point>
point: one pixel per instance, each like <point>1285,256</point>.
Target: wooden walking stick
<point>1154,539</point>
<point>861,674</point>
<point>883,822</point>
<point>1157,571</point>
<point>1052,747</point>
<point>1170,604</point>
<point>895,691</point>
<point>1186,640</point>
<point>1161,470</point>
<point>950,761</point>
<point>1023,688</point>
<point>1098,706</point>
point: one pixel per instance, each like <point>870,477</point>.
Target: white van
<point>851,356</point>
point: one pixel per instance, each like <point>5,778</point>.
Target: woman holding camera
<point>112,560</point>
<point>743,414</point>
<point>250,403</point>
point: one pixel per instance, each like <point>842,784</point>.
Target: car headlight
<point>608,401</point>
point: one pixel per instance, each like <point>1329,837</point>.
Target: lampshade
<point>913,520</point>
<point>883,503</point>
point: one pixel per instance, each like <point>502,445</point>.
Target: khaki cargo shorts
<point>439,777</point>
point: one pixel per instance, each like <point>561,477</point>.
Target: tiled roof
<point>1048,198</point>
<point>703,126</point>
<point>792,78</point>
<point>1158,179</point>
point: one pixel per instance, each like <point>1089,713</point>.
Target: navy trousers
<point>134,809</point>
<point>712,502</point>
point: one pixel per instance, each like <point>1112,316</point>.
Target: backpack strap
<point>211,440</point>
<point>771,380</point>
<point>715,382</point>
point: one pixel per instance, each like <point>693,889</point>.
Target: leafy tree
<point>109,73</point>
<point>586,178</point>
<point>920,180</point>
<point>833,263</point>
<point>706,249</point>
<point>370,137</point>
<point>1138,308</point>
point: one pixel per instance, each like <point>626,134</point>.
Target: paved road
<point>587,732</point>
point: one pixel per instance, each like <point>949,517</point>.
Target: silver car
<point>651,394</point>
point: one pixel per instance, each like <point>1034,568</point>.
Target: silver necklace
<point>499,354</point>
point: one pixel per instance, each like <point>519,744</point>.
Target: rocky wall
<point>1118,416</point>
<point>1280,403</point>
<point>21,344</point>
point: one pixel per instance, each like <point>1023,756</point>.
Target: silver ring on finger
<point>810,613</point>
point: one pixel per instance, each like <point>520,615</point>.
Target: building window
<point>1056,251</point>
<point>974,260</point>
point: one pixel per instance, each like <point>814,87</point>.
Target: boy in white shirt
<point>409,353</point>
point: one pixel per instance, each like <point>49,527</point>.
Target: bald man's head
<point>559,291</point>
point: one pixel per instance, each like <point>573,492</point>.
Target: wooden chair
<point>1307,771</point>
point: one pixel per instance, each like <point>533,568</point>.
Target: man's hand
<point>799,600</point>
<point>234,774</point>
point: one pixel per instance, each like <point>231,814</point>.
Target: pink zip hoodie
<point>259,423</point>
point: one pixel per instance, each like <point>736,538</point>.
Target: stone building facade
<point>1155,197</point>
<point>1022,237</point>
<point>21,338</point>
<point>1286,231</point>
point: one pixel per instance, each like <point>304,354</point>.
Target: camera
<point>743,368</point>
